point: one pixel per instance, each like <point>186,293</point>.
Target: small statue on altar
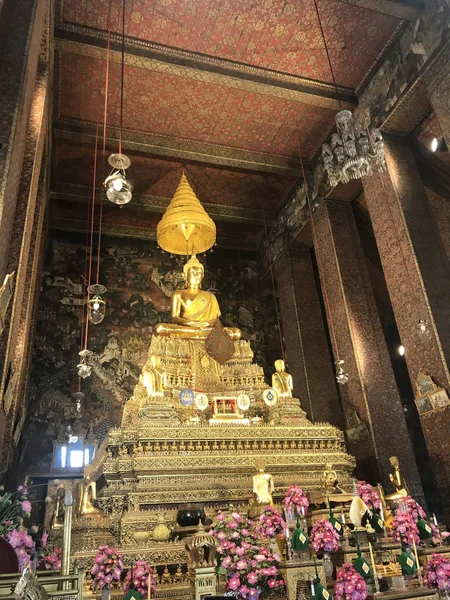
<point>330,481</point>
<point>281,381</point>
<point>263,486</point>
<point>401,489</point>
<point>85,495</point>
<point>152,378</point>
<point>194,311</point>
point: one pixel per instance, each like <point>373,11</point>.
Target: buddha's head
<point>279,365</point>
<point>193,272</point>
<point>394,461</point>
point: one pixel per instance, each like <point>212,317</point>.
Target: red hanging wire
<point>105,117</point>
<point>319,261</point>
<point>91,246</point>
<point>273,285</point>
<point>122,76</point>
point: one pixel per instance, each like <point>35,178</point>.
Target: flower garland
<point>108,567</point>
<point>295,498</point>
<point>23,545</point>
<point>349,584</point>
<point>404,529</point>
<point>324,537</point>
<point>368,494</point>
<point>437,573</point>
<point>271,523</point>
<point>141,571</point>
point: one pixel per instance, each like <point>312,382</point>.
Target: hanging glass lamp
<point>119,189</point>
<point>84,369</point>
<point>341,375</point>
<point>96,304</point>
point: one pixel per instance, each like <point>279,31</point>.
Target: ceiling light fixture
<point>401,350</point>
<point>438,145</point>
<point>354,151</point>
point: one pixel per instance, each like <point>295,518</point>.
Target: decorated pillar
<point>417,273</point>
<point>437,81</point>
<point>24,179</point>
<point>375,423</point>
<point>307,351</point>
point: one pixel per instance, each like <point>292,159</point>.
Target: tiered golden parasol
<point>186,227</point>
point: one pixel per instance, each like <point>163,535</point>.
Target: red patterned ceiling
<point>157,177</point>
<point>179,107</point>
<point>282,35</point>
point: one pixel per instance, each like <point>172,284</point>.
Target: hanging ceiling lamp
<point>84,368</point>
<point>354,152</point>
<point>186,227</point>
<point>119,189</point>
<point>96,303</point>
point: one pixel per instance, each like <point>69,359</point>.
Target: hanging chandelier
<point>354,152</point>
<point>119,189</point>
<point>351,154</point>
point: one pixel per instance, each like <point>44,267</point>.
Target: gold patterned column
<point>375,423</point>
<point>417,273</point>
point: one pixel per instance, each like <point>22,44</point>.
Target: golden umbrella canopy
<point>185,227</point>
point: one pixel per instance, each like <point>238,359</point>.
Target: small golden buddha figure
<point>57,520</point>
<point>330,480</point>
<point>263,486</point>
<point>153,379</point>
<point>281,381</point>
<point>401,489</point>
<point>194,311</point>
<point>85,496</point>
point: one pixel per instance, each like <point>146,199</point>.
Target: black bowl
<point>190,515</point>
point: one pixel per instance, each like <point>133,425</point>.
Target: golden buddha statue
<point>194,311</point>
<point>57,520</point>
<point>281,381</point>
<point>263,486</point>
<point>401,489</point>
<point>152,378</point>
<point>85,496</point>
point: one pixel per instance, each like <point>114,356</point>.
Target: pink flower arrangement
<point>295,498</point>
<point>14,506</point>
<point>23,545</point>
<point>271,523</point>
<point>141,571</point>
<point>437,573</point>
<point>324,537</point>
<point>368,494</point>
<point>410,506</point>
<point>51,561</point>
<point>108,567</point>
<point>250,566</point>
<point>349,584</point>
<point>404,529</point>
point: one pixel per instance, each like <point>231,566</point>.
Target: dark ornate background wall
<point>140,280</point>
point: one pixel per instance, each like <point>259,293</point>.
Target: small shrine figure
<point>330,480</point>
<point>281,381</point>
<point>263,486</point>
<point>401,489</point>
<point>153,379</point>
<point>85,496</point>
<point>57,520</point>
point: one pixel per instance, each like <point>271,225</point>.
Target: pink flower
<point>234,583</point>
<point>295,497</point>
<point>241,564</point>
<point>243,591</point>
<point>252,577</point>
<point>26,506</point>
<point>324,537</point>
<point>272,583</point>
<point>220,516</point>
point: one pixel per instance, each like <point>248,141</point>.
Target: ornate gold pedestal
<point>298,575</point>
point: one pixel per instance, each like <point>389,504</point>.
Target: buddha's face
<point>194,276</point>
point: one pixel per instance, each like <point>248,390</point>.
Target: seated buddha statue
<point>194,311</point>
<point>282,381</point>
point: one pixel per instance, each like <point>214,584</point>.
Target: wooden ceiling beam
<point>210,69</point>
<point>187,151</point>
<point>407,10</point>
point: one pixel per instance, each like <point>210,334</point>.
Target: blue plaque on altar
<point>186,397</point>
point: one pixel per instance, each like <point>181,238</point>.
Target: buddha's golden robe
<point>204,307</point>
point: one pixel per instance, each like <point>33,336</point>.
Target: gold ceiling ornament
<point>186,227</point>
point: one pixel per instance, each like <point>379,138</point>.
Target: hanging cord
<point>105,117</point>
<point>122,76</point>
<point>240,276</point>
<point>319,261</point>
<point>328,53</point>
<point>92,233</point>
<point>273,284</point>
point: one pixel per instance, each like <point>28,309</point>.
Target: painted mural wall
<point>140,281</point>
